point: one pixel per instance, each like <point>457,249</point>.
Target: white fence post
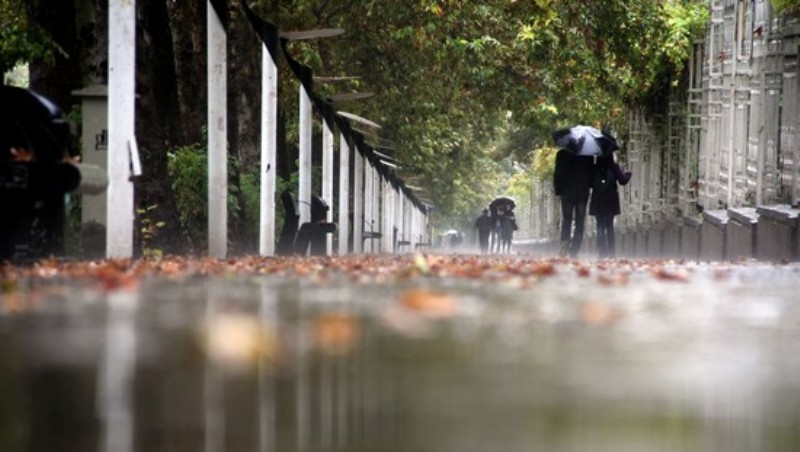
<point>217,137</point>
<point>121,126</point>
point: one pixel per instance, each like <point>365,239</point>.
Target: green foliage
<point>21,42</point>
<point>462,88</point>
<point>786,6</point>
<point>149,230</point>
<point>462,85</point>
<point>686,21</point>
<point>187,168</point>
<point>544,162</point>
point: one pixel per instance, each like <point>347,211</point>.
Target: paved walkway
<point>418,352</point>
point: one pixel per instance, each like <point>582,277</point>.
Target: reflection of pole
<point>266,382</point>
<point>121,88</point>
<point>302,383</point>
<point>327,180</point>
<point>304,189</point>
<point>217,137</point>
<point>344,193</point>
<point>269,146</point>
<point>117,371</point>
<point>213,392</point>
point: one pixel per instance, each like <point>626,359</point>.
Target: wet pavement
<point>413,353</point>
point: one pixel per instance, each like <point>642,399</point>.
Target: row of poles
<point>384,208</point>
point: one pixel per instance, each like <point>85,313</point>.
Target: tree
<point>20,40</point>
<point>462,88</point>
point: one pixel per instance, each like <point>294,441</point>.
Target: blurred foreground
<point>399,353</point>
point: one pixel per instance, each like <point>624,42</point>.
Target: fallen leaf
<point>429,303</point>
<point>336,333</point>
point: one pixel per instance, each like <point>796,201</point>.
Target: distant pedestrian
<point>604,204</point>
<point>484,226</point>
<point>508,224</point>
<point>572,181</point>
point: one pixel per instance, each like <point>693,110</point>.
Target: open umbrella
<point>505,201</point>
<point>585,140</point>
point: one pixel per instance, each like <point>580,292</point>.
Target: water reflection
<point>243,364</point>
<point>117,369</point>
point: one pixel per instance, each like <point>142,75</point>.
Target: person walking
<point>484,226</point>
<point>604,204</point>
<point>572,181</point>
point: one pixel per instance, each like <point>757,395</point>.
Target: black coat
<point>606,202</point>
<point>572,178</point>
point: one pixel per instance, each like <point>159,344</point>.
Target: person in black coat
<point>484,226</point>
<point>604,205</point>
<point>572,180</point>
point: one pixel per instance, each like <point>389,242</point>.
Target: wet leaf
<point>336,333</point>
<point>664,274</point>
<point>238,342</point>
<point>428,302</point>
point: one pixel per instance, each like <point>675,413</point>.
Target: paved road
<point>418,352</point>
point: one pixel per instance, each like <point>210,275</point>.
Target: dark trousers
<point>605,235</point>
<point>483,239</point>
<point>572,211</point>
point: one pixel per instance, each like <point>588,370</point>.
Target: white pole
<point>387,217</point>
<point>269,146</point>
<point>415,227</point>
<point>121,126</point>
<point>358,202</point>
<point>304,189</point>
<point>327,180</point>
<point>217,137</point>
<point>344,193</point>
<point>731,135</point>
<point>377,225</point>
<point>399,213</point>
<point>408,220</point>
<point>369,223</point>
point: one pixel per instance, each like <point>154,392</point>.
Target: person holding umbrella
<point>500,208</point>
<point>572,179</point>
<point>604,204</point>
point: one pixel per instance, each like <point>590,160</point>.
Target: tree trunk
<point>58,79</point>
<point>157,129</point>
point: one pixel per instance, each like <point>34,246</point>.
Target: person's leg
<point>610,239</point>
<point>580,220</point>
<point>607,219</point>
<point>566,225</point>
<point>601,237</point>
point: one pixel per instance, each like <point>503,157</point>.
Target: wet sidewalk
<point>400,353</point>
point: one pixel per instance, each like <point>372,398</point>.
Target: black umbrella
<point>504,201</point>
<point>585,140</point>
<point>32,122</point>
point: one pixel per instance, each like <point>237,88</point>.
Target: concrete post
<point>217,137</point>
<point>741,237</point>
<point>358,202</point>
<point>344,194</point>
<point>304,188</point>
<point>269,149</point>
<point>121,127</point>
<point>327,180</point>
